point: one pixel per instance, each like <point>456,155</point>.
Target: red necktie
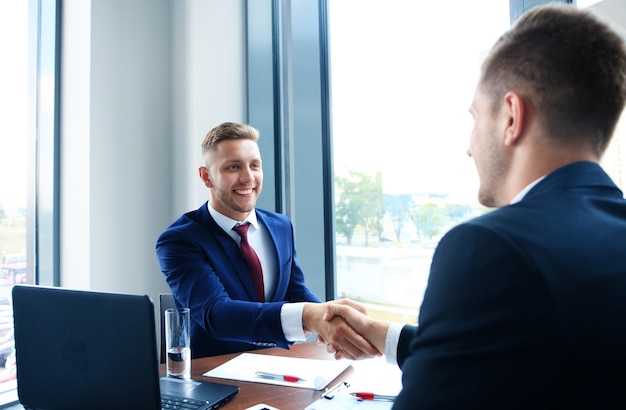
<point>252,260</point>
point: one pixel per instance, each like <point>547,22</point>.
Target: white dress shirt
<point>261,242</point>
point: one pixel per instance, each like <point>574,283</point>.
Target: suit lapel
<point>229,250</point>
<point>278,244</point>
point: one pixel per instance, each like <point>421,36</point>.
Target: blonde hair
<point>227,131</point>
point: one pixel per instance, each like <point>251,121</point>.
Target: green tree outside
<point>359,202</point>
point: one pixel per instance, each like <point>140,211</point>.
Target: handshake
<point>346,329</point>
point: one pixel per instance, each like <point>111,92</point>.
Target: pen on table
<point>284,377</point>
<point>330,393</point>
<point>372,396</point>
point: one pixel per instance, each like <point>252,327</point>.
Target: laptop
<point>95,350</point>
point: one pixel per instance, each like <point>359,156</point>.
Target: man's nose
<point>246,174</point>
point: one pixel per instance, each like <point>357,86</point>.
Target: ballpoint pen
<point>330,393</point>
<point>283,377</point>
<point>372,396</point>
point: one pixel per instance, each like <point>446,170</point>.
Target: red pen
<point>285,377</point>
<point>372,396</point>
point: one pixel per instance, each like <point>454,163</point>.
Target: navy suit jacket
<point>204,268</point>
<point>526,306</point>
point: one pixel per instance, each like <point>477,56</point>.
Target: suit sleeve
<point>485,323</point>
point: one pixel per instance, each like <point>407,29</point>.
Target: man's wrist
<point>311,314</point>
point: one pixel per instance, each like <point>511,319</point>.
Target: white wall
<point>142,82</point>
<point>208,88</point>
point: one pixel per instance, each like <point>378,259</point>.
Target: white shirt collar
<point>227,223</point>
<point>524,191</point>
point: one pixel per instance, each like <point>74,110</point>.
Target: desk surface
<point>281,397</point>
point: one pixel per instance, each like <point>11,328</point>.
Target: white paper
<point>371,375</point>
<point>316,373</point>
<point>377,376</point>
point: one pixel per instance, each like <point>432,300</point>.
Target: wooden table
<point>281,397</point>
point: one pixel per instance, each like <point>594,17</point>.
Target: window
<point>13,168</point>
<point>371,96</point>
<point>28,160</point>
<point>403,75</point>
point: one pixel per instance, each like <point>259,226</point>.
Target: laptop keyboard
<point>172,402</point>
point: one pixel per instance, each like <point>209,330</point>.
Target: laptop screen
<point>84,349</point>
<point>75,348</point>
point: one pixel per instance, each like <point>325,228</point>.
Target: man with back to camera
<point>526,306</point>
<point>201,256</point>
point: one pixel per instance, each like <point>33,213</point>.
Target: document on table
<point>371,375</point>
<point>311,373</point>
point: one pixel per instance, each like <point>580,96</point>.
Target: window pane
<point>403,75</point>
<point>13,168</point>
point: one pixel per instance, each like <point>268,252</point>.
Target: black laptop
<point>95,350</point>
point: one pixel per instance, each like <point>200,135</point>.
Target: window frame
<point>43,194</point>
<point>288,97</point>
<point>288,101</point>
<point>43,160</point>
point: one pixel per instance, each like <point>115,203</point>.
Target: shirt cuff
<point>291,320</point>
<point>391,342</point>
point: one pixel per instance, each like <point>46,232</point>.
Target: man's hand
<point>336,332</point>
<point>374,331</point>
<point>347,302</point>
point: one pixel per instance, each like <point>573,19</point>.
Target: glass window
<point>29,38</point>
<point>13,168</point>
<point>403,75</point>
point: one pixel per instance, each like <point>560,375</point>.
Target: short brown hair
<point>570,67</point>
<point>228,131</point>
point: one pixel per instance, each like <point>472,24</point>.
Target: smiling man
<point>235,265</point>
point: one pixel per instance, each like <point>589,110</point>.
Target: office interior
<point>141,82</point>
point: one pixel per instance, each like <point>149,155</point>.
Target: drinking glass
<point>178,343</point>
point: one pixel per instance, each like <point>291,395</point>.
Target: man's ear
<point>515,116</point>
<point>205,177</point>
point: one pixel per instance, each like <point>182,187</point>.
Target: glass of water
<point>178,343</point>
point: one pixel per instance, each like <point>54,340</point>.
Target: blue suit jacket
<point>526,306</point>
<point>205,270</point>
